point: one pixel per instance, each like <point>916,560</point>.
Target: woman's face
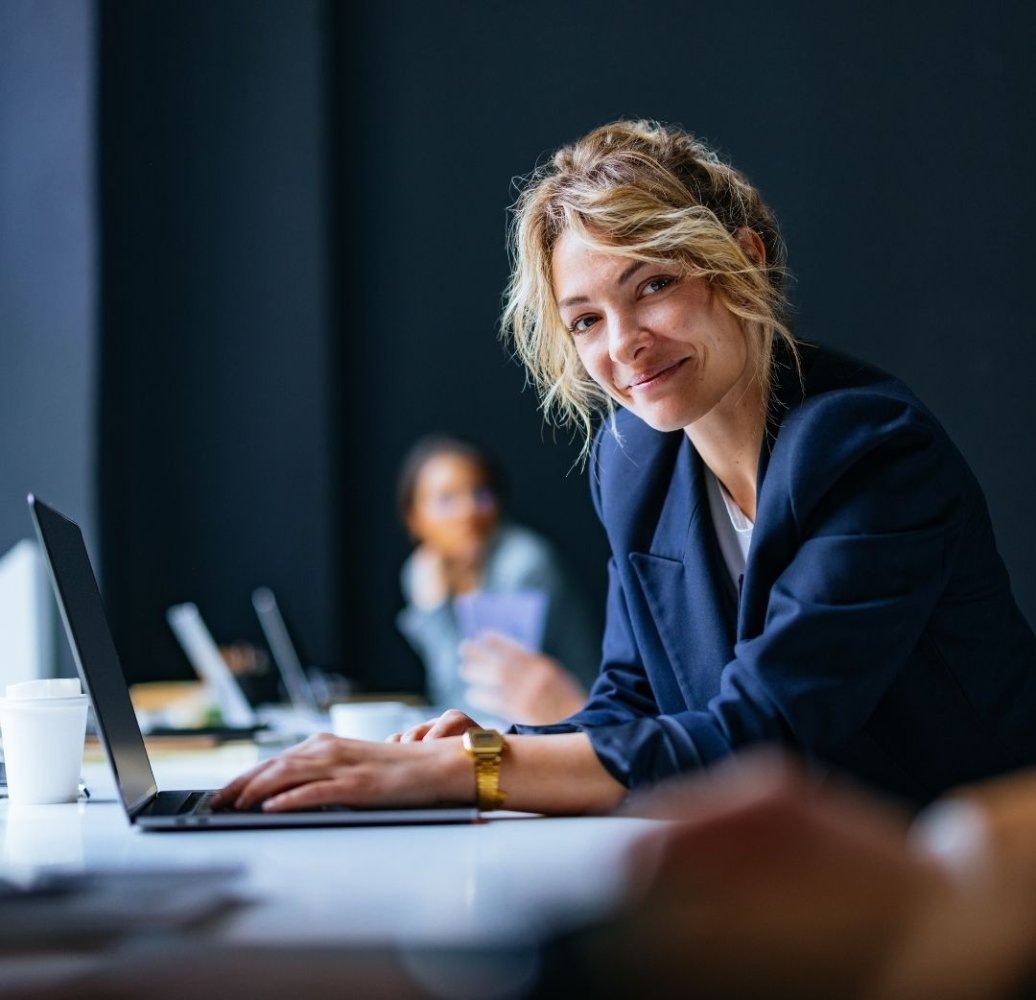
<point>659,343</point>
<point>454,511</point>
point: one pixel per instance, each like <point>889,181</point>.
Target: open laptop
<point>93,648</point>
<point>197,643</point>
<point>274,721</point>
<point>282,649</point>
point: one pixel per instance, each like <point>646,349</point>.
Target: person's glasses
<point>481,498</point>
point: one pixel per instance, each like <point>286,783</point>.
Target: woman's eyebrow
<point>572,300</point>
<point>621,280</point>
<point>630,271</point>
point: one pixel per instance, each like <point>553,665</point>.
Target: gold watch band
<point>486,747</point>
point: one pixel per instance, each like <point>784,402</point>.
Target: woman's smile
<point>654,377</point>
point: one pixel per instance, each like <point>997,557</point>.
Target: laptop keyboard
<point>196,802</point>
<point>200,804</point>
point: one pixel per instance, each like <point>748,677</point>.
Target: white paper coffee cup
<point>43,725</point>
<point>369,720</point>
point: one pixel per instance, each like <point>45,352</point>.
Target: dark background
<point>295,214</point>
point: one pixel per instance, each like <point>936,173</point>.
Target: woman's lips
<point>651,377</point>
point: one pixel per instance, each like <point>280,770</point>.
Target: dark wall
<point>216,388</point>
<point>304,255</point>
<point>47,261</point>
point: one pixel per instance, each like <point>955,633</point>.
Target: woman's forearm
<point>549,774</point>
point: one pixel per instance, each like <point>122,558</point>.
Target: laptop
<point>282,649</point>
<point>100,670</point>
<point>268,723</point>
<point>197,643</point>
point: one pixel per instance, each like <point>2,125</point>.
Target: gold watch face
<point>483,741</point>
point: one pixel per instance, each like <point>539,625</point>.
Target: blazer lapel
<point>687,586</point>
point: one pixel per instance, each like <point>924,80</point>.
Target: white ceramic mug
<point>43,724</point>
<point>370,720</point>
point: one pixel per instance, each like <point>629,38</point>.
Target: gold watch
<point>486,747</point>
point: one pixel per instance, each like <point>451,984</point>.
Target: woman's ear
<point>752,245</point>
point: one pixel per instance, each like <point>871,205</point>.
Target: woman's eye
<point>657,284</point>
<point>582,324</point>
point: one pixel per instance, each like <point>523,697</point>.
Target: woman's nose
<point>627,337</point>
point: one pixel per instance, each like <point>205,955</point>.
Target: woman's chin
<point>660,421</point>
<point>472,553</point>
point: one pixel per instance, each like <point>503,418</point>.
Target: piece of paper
<point>520,614</point>
<point>68,908</point>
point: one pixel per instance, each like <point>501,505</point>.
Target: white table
<point>509,879</point>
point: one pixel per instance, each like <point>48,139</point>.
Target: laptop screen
<point>82,611</point>
<point>296,683</point>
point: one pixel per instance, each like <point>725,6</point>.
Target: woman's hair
<point>424,449</point>
<point>650,192</point>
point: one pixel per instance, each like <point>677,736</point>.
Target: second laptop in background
<point>204,655</point>
<point>297,684</point>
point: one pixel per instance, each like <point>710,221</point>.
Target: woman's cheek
<point>595,361</point>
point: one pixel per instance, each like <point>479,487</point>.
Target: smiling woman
<point>800,555</point>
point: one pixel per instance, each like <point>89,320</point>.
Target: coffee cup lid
<point>48,687</point>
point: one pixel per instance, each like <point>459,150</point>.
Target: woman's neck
<point>464,575</point>
<point>729,439</point>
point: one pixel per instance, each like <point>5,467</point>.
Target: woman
<point>800,555</point>
<point>449,495</point>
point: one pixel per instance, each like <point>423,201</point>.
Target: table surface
<point>511,877</point>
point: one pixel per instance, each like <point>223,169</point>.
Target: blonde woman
<point>800,556</point>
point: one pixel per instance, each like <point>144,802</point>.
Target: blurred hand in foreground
<point>771,883</point>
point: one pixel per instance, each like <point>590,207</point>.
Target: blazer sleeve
<point>876,499</point>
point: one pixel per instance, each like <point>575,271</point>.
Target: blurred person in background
<point>450,493</point>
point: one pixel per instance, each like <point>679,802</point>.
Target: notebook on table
<point>101,672</point>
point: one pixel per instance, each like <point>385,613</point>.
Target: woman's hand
<point>512,682</point>
<point>451,723</point>
<point>556,774</point>
<point>429,580</point>
<point>329,770</point>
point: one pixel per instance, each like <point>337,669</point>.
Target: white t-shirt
<point>733,529</point>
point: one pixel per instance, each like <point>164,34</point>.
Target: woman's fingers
<point>313,795</point>
<point>329,770</point>
<point>228,795</point>
<point>497,642</point>
<point>491,646</point>
<point>480,672</point>
<point>451,723</point>
<point>288,771</point>
<point>416,733</point>
<point>269,776</point>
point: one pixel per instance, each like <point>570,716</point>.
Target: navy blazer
<point>875,630</point>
